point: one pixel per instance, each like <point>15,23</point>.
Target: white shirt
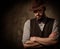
<point>26,30</point>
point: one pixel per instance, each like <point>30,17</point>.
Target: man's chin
<point>38,17</point>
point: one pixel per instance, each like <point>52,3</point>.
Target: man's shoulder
<point>27,21</point>
<point>32,19</point>
<point>50,18</point>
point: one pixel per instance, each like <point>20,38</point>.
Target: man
<point>40,32</point>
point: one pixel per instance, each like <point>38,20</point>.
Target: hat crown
<point>37,3</point>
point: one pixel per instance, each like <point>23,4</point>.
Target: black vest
<point>36,31</point>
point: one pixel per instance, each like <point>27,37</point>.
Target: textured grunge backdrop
<point>14,13</point>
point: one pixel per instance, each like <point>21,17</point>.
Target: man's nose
<point>37,13</point>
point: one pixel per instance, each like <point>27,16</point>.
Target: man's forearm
<point>49,40</point>
<point>30,44</point>
<point>46,41</point>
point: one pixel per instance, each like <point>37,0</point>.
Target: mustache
<point>38,15</point>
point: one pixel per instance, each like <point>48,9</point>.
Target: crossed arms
<point>34,41</point>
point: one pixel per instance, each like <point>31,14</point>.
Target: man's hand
<point>34,39</point>
<point>45,41</point>
<point>30,43</point>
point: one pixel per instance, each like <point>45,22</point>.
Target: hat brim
<point>36,8</point>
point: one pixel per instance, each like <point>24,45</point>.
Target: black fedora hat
<point>38,4</point>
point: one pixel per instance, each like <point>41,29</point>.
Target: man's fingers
<point>29,42</point>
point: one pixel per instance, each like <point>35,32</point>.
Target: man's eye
<point>35,11</point>
<point>40,10</point>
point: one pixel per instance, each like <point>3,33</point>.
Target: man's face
<point>39,13</point>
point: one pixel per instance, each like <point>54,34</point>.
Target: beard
<point>39,17</point>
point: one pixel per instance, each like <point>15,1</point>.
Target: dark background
<point>13,14</point>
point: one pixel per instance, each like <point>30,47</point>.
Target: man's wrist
<point>37,39</point>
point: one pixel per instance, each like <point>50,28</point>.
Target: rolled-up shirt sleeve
<point>26,31</point>
<point>55,29</point>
